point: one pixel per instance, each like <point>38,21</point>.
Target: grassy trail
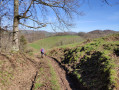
<point>60,74</point>
<point>50,76</point>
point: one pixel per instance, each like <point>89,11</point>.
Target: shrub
<point>23,43</point>
<point>29,51</point>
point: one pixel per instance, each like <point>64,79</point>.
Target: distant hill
<point>48,33</point>
<point>102,32</point>
<point>33,31</point>
<point>65,33</point>
<point>97,33</point>
<point>32,35</point>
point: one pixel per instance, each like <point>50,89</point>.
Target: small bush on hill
<point>23,43</point>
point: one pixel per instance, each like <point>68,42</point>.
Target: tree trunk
<point>15,26</point>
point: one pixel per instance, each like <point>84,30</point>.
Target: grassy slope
<point>55,41</point>
<point>46,76</point>
<point>93,63</point>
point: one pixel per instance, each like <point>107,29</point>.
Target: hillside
<point>21,71</point>
<point>16,71</point>
<point>94,63</point>
<point>96,33</point>
<point>55,41</point>
<point>90,65</point>
<point>34,35</point>
<point>102,32</point>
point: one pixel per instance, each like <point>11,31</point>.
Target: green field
<point>55,41</point>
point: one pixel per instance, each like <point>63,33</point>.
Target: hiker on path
<point>42,52</point>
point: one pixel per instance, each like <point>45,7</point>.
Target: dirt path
<point>43,79</point>
<point>65,81</point>
<point>38,74</point>
<point>61,75</point>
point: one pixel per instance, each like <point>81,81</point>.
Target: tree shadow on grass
<point>73,82</point>
<point>92,73</point>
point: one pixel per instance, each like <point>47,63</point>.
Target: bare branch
<point>24,14</point>
<point>32,26</point>
<point>55,4</point>
<point>106,2</point>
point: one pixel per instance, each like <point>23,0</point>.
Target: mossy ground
<point>92,62</point>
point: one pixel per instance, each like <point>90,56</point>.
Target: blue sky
<point>97,15</point>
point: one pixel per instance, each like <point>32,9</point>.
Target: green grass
<point>55,41</point>
<point>71,45</point>
<point>38,83</point>
<point>54,81</point>
<point>91,60</point>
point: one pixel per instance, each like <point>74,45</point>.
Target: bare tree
<point>15,25</point>
<point>39,12</point>
<point>33,7</point>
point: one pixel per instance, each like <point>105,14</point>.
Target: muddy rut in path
<point>43,79</point>
<point>61,75</point>
<point>68,81</point>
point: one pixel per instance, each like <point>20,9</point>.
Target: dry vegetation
<point>16,71</point>
<point>5,40</point>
